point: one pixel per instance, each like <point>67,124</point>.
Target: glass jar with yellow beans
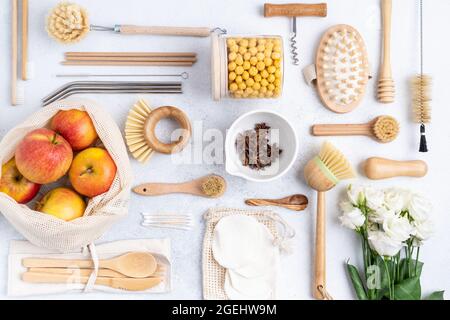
<point>247,66</point>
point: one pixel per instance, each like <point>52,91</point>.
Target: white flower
<point>396,199</point>
<point>397,227</point>
<point>384,245</point>
<point>380,214</point>
<point>419,207</point>
<point>423,230</point>
<point>374,198</point>
<point>355,194</point>
<point>351,217</point>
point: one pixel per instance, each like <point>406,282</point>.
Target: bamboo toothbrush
<point>322,173</point>
<point>386,86</point>
<point>421,97</point>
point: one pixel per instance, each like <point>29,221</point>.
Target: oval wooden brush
<point>322,173</point>
<point>342,68</point>
<point>383,128</point>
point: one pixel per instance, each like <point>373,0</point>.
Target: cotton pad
<point>239,288</point>
<point>235,241</point>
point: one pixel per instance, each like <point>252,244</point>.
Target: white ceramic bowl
<point>287,141</point>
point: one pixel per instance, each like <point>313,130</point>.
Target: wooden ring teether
<point>162,113</point>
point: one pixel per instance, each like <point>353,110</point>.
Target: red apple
<point>62,203</point>
<point>15,185</point>
<point>92,172</point>
<point>43,156</point>
<point>76,127</point>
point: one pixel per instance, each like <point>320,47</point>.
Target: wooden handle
<point>126,63</point>
<point>158,189</point>
<point>278,203</point>
<point>56,263</point>
<point>24,56</point>
<point>166,31</point>
<point>73,271</point>
<point>380,168</point>
<point>341,129</point>
<point>14,52</point>
<point>295,10</point>
<point>129,54</point>
<point>319,286</point>
<point>386,8</point>
<point>150,127</point>
<point>133,59</point>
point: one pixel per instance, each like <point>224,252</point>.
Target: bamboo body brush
<point>322,173</point>
<point>420,86</point>
<point>386,86</point>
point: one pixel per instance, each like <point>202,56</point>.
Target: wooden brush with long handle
<point>421,97</point>
<point>386,86</point>
<point>322,173</point>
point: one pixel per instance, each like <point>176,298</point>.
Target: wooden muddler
<point>381,168</point>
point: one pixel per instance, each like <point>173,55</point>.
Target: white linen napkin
<point>18,250</point>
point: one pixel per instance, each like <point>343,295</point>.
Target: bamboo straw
<point>135,59</point>
<point>126,63</point>
<point>131,54</point>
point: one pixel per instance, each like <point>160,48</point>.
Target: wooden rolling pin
<point>381,168</point>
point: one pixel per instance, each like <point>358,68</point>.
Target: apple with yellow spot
<point>63,203</point>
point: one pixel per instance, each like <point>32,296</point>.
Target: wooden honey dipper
<point>386,86</point>
<point>381,168</point>
<point>383,128</point>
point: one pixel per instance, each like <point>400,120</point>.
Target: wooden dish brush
<point>322,173</point>
<point>421,97</point>
<point>140,128</point>
<point>383,128</point>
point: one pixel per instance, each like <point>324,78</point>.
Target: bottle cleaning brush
<point>421,97</point>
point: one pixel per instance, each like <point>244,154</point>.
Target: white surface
<point>299,103</point>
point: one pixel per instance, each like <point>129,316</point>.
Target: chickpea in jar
<point>254,67</point>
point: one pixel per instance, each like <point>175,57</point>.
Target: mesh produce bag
<point>102,211</point>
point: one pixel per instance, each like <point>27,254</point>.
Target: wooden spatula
<point>133,264</point>
<point>130,284</point>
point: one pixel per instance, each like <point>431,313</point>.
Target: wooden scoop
<point>194,187</point>
<point>380,168</point>
<point>130,284</point>
<point>133,264</point>
<point>297,202</point>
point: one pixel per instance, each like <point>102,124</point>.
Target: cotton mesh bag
<point>101,212</point>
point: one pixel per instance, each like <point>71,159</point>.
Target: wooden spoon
<point>194,187</point>
<point>297,202</point>
<point>130,284</point>
<point>133,264</point>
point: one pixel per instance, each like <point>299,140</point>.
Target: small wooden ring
<point>162,113</point>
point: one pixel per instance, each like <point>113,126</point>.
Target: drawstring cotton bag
<point>102,211</point>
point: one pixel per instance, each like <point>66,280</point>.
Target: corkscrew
<point>294,10</point>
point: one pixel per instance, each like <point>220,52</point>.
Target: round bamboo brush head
<point>385,128</point>
<point>67,22</point>
<point>324,171</point>
<point>134,132</point>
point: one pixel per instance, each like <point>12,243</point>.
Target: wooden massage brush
<point>386,86</point>
<point>342,68</point>
<point>69,22</point>
<point>377,168</point>
<point>322,173</point>
<point>140,130</point>
<point>383,129</point>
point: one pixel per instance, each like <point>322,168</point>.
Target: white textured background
<point>299,103</point>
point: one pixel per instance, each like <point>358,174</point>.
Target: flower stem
<point>391,289</point>
<point>417,260</point>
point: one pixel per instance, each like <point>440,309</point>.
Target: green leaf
<point>412,265</point>
<point>437,295</point>
<point>408,289</point>
<point>357,282</point>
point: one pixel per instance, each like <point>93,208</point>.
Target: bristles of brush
<point>134,131</point>
<point>336,162</point>
<point>421,98</point>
